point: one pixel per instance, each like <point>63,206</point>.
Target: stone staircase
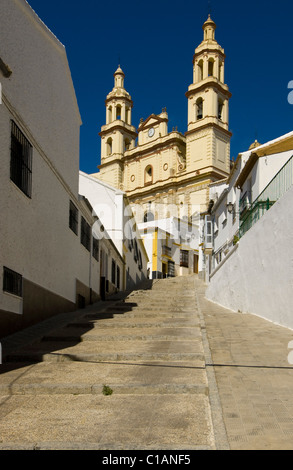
<point>147,349</point>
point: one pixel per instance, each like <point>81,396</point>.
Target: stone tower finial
<point>209,28</point>
<point>119,78</point>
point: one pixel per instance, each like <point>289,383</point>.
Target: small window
<point>21,160</point>
<point>96,248</point>
<point>220,109</point>
<point>184,258</point>
<point>12,282</point>
<point>224,220</point>
<point>73,218</point>
<point>113,277</point>
<point>209,232</point>
<point>118,112</point>
<point>109,146</point>
<point>118,278</point>
<point>148,217</point>
<point>234,213</point>
<point>140,265</point>
<point>85,235</point>
<point>148,176</point>
<point>211,68</point>
<point>199,108</point>
<point>171,269</point>
<point>135,254</point>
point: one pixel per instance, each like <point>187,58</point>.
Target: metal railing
<point>245,202</point>
<point>277,187</point>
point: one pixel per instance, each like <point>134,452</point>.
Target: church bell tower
<point>208,136</point>
<point>117,135</point>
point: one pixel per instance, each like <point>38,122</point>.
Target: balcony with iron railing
<point>277,187</point>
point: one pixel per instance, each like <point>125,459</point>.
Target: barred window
<point>113,272</point>
<point>135,254</point>
<point>118,278</point>
<point>73,218</point>
<point>184,258</point>
<point>140,266</point>
<point>12,282</point>
<point>85,234</point>
<point>21,160</point>
<point>96,248</point>
<point>171,268</point>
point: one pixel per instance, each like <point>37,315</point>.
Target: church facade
<point>167,174</point>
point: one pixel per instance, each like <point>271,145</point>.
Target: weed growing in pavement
<point>107,390</point>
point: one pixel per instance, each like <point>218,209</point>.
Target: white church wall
<point>257,277</point>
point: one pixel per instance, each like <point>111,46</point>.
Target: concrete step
<point>148,350</point>
<point>120,421</point>
<point>43,356</point>
<point>118,345</point>
<point>86,333</point>
<point>151,373</point>
<point>97,389</point>
<point>123,323</point>
<point>142,314</point>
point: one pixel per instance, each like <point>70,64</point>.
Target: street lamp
<point>230,207</point>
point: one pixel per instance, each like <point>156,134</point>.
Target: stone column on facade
<point>130,115</point>
<point>222,79</point>
<point>226,112</point>
<point>205,67</point>
<point>123,112</point>
<point>195,72</point>
<point>216,68</point>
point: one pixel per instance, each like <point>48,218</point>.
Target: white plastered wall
<point>258,276</point>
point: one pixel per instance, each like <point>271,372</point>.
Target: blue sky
<point>155,41</point>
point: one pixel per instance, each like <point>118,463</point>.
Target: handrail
<point>275,189</point>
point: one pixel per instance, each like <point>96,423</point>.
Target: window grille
<point>171,269</point>
<point>113,272</point>
<point>135,254</point>
<point>184,258</point>
<point>12,282</point>
<point>73,218</point>
<point>21,160</point>
<point>96,248</point>
<point>140,266</point>
<point>118,278</point>
<point>85,236</point>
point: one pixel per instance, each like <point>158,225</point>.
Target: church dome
<point>254,145</point>
<point>119,71</point>
<point>209,22</point>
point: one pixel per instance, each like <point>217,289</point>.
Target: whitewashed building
<point>172,247</point>
<point>257,180</point>
<point>112,207</point>
<point>49,260</point>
